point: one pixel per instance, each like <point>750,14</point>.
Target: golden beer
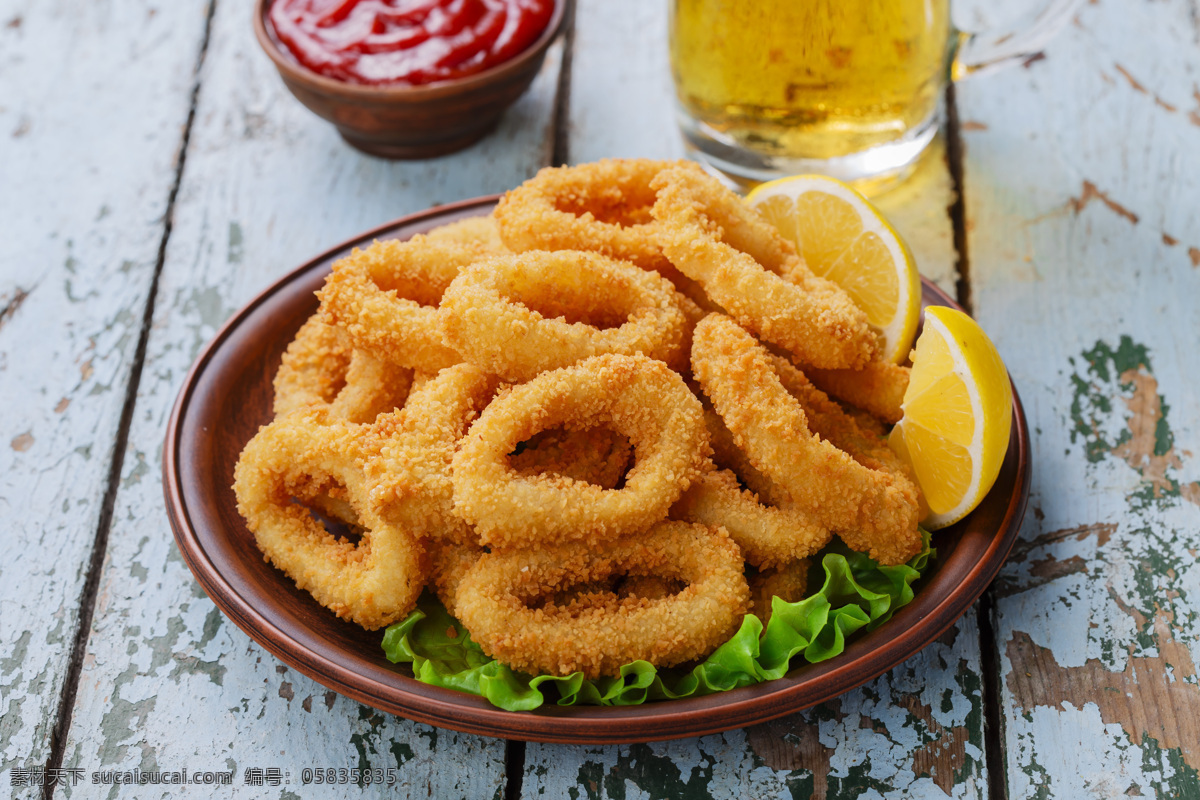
<point>809,79</point>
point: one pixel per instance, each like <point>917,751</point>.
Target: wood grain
<point>167,681</point>
<point>95,98</point>
<point>1081,198</point>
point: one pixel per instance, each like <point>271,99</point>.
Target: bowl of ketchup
<point>408,78</point>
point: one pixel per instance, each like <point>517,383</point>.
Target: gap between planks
<point>560,152</point>
<point>91,584</point>
<point>989,655</point>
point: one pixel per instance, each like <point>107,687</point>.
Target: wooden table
<point>155,175</point>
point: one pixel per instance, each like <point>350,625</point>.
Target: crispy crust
<point>872,505</point>
<point>635,396</point>
<point>740,261</point>
<point>599,632</point>
<point>373,583</point>
<point>385,297</point>
<point>509,315</point>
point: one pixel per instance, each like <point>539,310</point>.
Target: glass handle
<point>987,51</point>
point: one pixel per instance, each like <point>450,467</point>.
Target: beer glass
<point>847,88</point>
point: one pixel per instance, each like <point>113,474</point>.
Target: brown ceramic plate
<point>227,395</point>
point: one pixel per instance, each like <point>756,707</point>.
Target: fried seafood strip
<point>635,396</point>
<point>878,388</point>
<point>594,455</point>
<point>728,456</point>
<point>710,236</point>
<point>517,316</point>
<point>788,582</point>
<point>449,562</point>
<point>321,368</point>
<point>600,631</point>
<point>768,535</point>
<point>853,434</point>
<point>373,583</point>
<point>386,296</point>
<point>872,506</point>
<point>409,473</point>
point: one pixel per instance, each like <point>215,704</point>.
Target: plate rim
<point>653,721</point>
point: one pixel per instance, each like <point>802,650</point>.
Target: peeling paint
<point>13,304</point>
<point>943,758</point>
<point>1090,192</point>
<point>1149,699</point>
<point>1145,442</point>
<point>22,442</point>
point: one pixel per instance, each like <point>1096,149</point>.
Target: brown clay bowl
<point>411,121</point>
<point>227,395</point>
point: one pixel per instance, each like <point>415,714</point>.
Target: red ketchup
<point>406,42</point>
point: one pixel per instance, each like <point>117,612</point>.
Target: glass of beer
<point>847,88</point>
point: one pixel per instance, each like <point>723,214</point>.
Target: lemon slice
<point>844,238</point>
<point>957,415</point>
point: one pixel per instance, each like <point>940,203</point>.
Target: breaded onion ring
<point>594,455</point>
<point>598,638</point>
<point>411,483</point>
<point>872,506</point>
<point>320,368</point>
<point>386,297</point>
<point>878,388</point>
<point>788,582</point>
<point>635,396</point>
<point>710,236</point>
<point>517,316</point>
<point>373,583</point>
<point>768,535</point>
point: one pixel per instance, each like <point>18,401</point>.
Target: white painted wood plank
<point>904,735</point>
<point>1082,188</point>
<point>167,681</point>
<point>94,99</point>
<point>878,738</point>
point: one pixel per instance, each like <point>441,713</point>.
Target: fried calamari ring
<point>411,483</point>
<point>598,637</point>
<point>594,455</point>
<point>872,507</point>
<point>768,535</point>
<point>517,316</point>
<point>711,237</point>
<point>603,207</point>
<point>386,296</point>
<point>878,388</point>
<point>472,231</point>
<point>788,582</point>
<point>373,583</point>
<point>637,397</point>
<point>320,368</point>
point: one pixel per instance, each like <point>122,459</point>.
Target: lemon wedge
<point>957,415</point>
<point>844,238</point>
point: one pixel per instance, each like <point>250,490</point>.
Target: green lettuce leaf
<point>856,593</point>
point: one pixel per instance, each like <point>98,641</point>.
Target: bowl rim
<point>295,71</point>
<point>446,708</point>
